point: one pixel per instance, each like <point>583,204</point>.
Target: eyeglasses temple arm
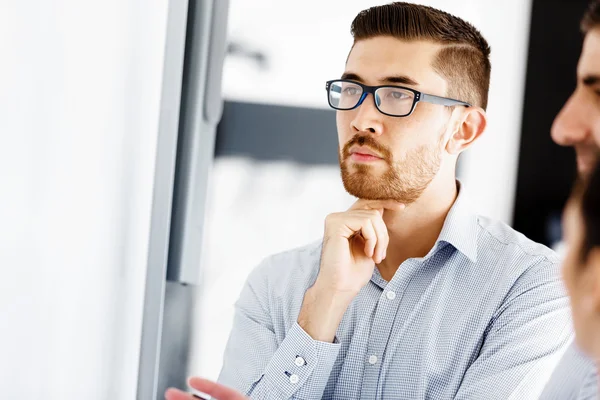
<point>430,98</point>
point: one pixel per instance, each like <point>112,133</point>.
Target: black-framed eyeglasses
<point>395,101</point>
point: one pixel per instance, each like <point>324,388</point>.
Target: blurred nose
<point>570,126</point>
<point>368,118</point>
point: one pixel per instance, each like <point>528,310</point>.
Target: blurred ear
<point>470,126</point>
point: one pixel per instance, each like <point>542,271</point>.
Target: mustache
<point>367,141</point>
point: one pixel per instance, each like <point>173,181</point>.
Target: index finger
<point>216,390</point>
<point>391,205</point>
<point>176,394</point>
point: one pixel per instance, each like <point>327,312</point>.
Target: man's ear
<point>470,126</point>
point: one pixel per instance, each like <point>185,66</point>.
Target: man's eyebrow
<point>590,80</point>
<point>351,76</point>
<point>401,79</point>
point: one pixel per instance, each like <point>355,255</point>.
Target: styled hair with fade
<point>464,61</point>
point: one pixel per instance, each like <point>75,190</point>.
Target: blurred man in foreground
<point>578,125</point>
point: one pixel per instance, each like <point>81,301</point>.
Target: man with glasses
<point>410,294</point>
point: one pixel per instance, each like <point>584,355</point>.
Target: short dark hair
<point>591,18</point>
<point>464,61</point>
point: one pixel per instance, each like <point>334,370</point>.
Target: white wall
<point>79,98</point>
<point>490,168</point>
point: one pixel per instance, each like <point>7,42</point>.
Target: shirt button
<point>299,361</point>
<point>373,359</point>
<point>390,295</point>
<point>294,379</point>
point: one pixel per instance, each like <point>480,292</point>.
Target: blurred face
<point>384,157</point>
<point>578,123</point>
<point>582,279</point>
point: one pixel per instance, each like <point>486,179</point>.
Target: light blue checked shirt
<point>482,316</point>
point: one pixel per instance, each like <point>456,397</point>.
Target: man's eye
<point>398,95</point>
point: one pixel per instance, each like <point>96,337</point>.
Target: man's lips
<point>362,157</point>
<point>363,152</point>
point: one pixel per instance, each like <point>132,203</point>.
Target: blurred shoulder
<point>575,378</point>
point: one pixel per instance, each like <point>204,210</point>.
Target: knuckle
<point>374,213</point>
<point>330,218</point>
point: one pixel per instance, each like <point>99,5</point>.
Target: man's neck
<point>414,230</point>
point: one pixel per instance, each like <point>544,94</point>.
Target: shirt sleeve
<point>525,339</point>
<point>260,366</point>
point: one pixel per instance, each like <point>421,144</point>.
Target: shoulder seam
<point>545,257</point>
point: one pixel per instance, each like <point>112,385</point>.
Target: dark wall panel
<point>270,132</point>
<point>546,170</point>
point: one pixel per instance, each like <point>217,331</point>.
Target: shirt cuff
<point>300,362</point>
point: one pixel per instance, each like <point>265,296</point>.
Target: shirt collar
<point>461,226</point>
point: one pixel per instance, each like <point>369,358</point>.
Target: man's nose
<point>570,126</point>
<point>368,118</point>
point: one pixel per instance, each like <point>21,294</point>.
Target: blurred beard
<point>404,180</point>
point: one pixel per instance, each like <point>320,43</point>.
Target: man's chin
<point>373,171</point>
<point>585,165</point>
<point>365,193</point>
<point>584,169</point>
<point>380,191</point>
